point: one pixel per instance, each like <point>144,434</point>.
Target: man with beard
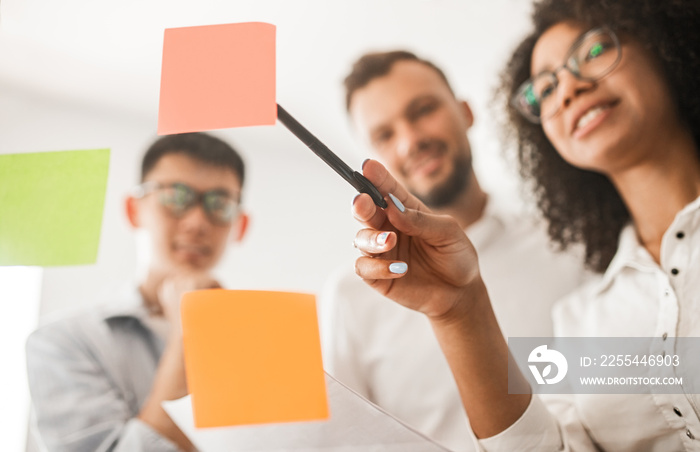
<point>404,108</point>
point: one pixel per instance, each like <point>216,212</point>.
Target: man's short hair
<point>376,64</point>
<point>199,146</point>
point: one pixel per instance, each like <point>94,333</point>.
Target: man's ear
<point>240,227</point>
<point>131,207</point>
<point>467,113</point>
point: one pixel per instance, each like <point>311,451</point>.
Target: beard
<point>457,183</point>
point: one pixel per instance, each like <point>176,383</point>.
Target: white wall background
<point>80,74</point>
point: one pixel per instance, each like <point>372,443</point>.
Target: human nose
<point>195,218</point>
<point>407,139</point>
<point>569,86</point>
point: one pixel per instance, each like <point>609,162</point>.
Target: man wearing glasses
<point>97,380</point>
<point>405,110</point>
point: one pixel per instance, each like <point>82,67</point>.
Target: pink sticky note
<point>217,76</point>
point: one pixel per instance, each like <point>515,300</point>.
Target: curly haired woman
<point>604,106</point>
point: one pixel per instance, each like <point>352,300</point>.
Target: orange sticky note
<point>253,357</point>
<point>217,76</point>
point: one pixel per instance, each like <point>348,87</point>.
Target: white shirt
<point>636,297</point>
<point>389,354</point>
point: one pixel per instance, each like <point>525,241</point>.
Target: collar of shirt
<point>631,253</point>
<point>130,303</point>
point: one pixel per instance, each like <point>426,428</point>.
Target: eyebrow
<point>412,104</point>
<point>222,190</point>
<point>549,71</point>
<point>422,98</point>
<point>544,71</point>
<point>567,55</point>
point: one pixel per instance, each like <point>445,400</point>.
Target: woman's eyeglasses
<point>590,58</point>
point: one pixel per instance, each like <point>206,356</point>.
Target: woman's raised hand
<point>419,259</point>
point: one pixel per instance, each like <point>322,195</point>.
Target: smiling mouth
<point>192,250</point>
<point>426,162</point>
<point>427,166</point>
<point>592,114</point>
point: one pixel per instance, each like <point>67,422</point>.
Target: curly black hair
<point>583,206</point>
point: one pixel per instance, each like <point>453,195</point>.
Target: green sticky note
<point>51,207</point>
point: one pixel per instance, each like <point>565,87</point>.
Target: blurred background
<point>85,74</point>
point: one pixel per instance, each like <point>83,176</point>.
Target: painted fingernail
<point>381,238</point>
<point>398,268</point>
<point>363,163</point>
<point>397,203</point>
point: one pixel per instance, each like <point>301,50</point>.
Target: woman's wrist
<point>470,301</point>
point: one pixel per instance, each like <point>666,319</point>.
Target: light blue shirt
<point>89,376</point>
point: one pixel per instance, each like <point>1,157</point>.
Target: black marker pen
<point>355,179</point>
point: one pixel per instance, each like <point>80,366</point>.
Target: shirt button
<point>674,271</point>
<point>689,434</point>
<point>667,292</point>
<point>664,336</point>
<point>680,234</point>
<point>677,411</point>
